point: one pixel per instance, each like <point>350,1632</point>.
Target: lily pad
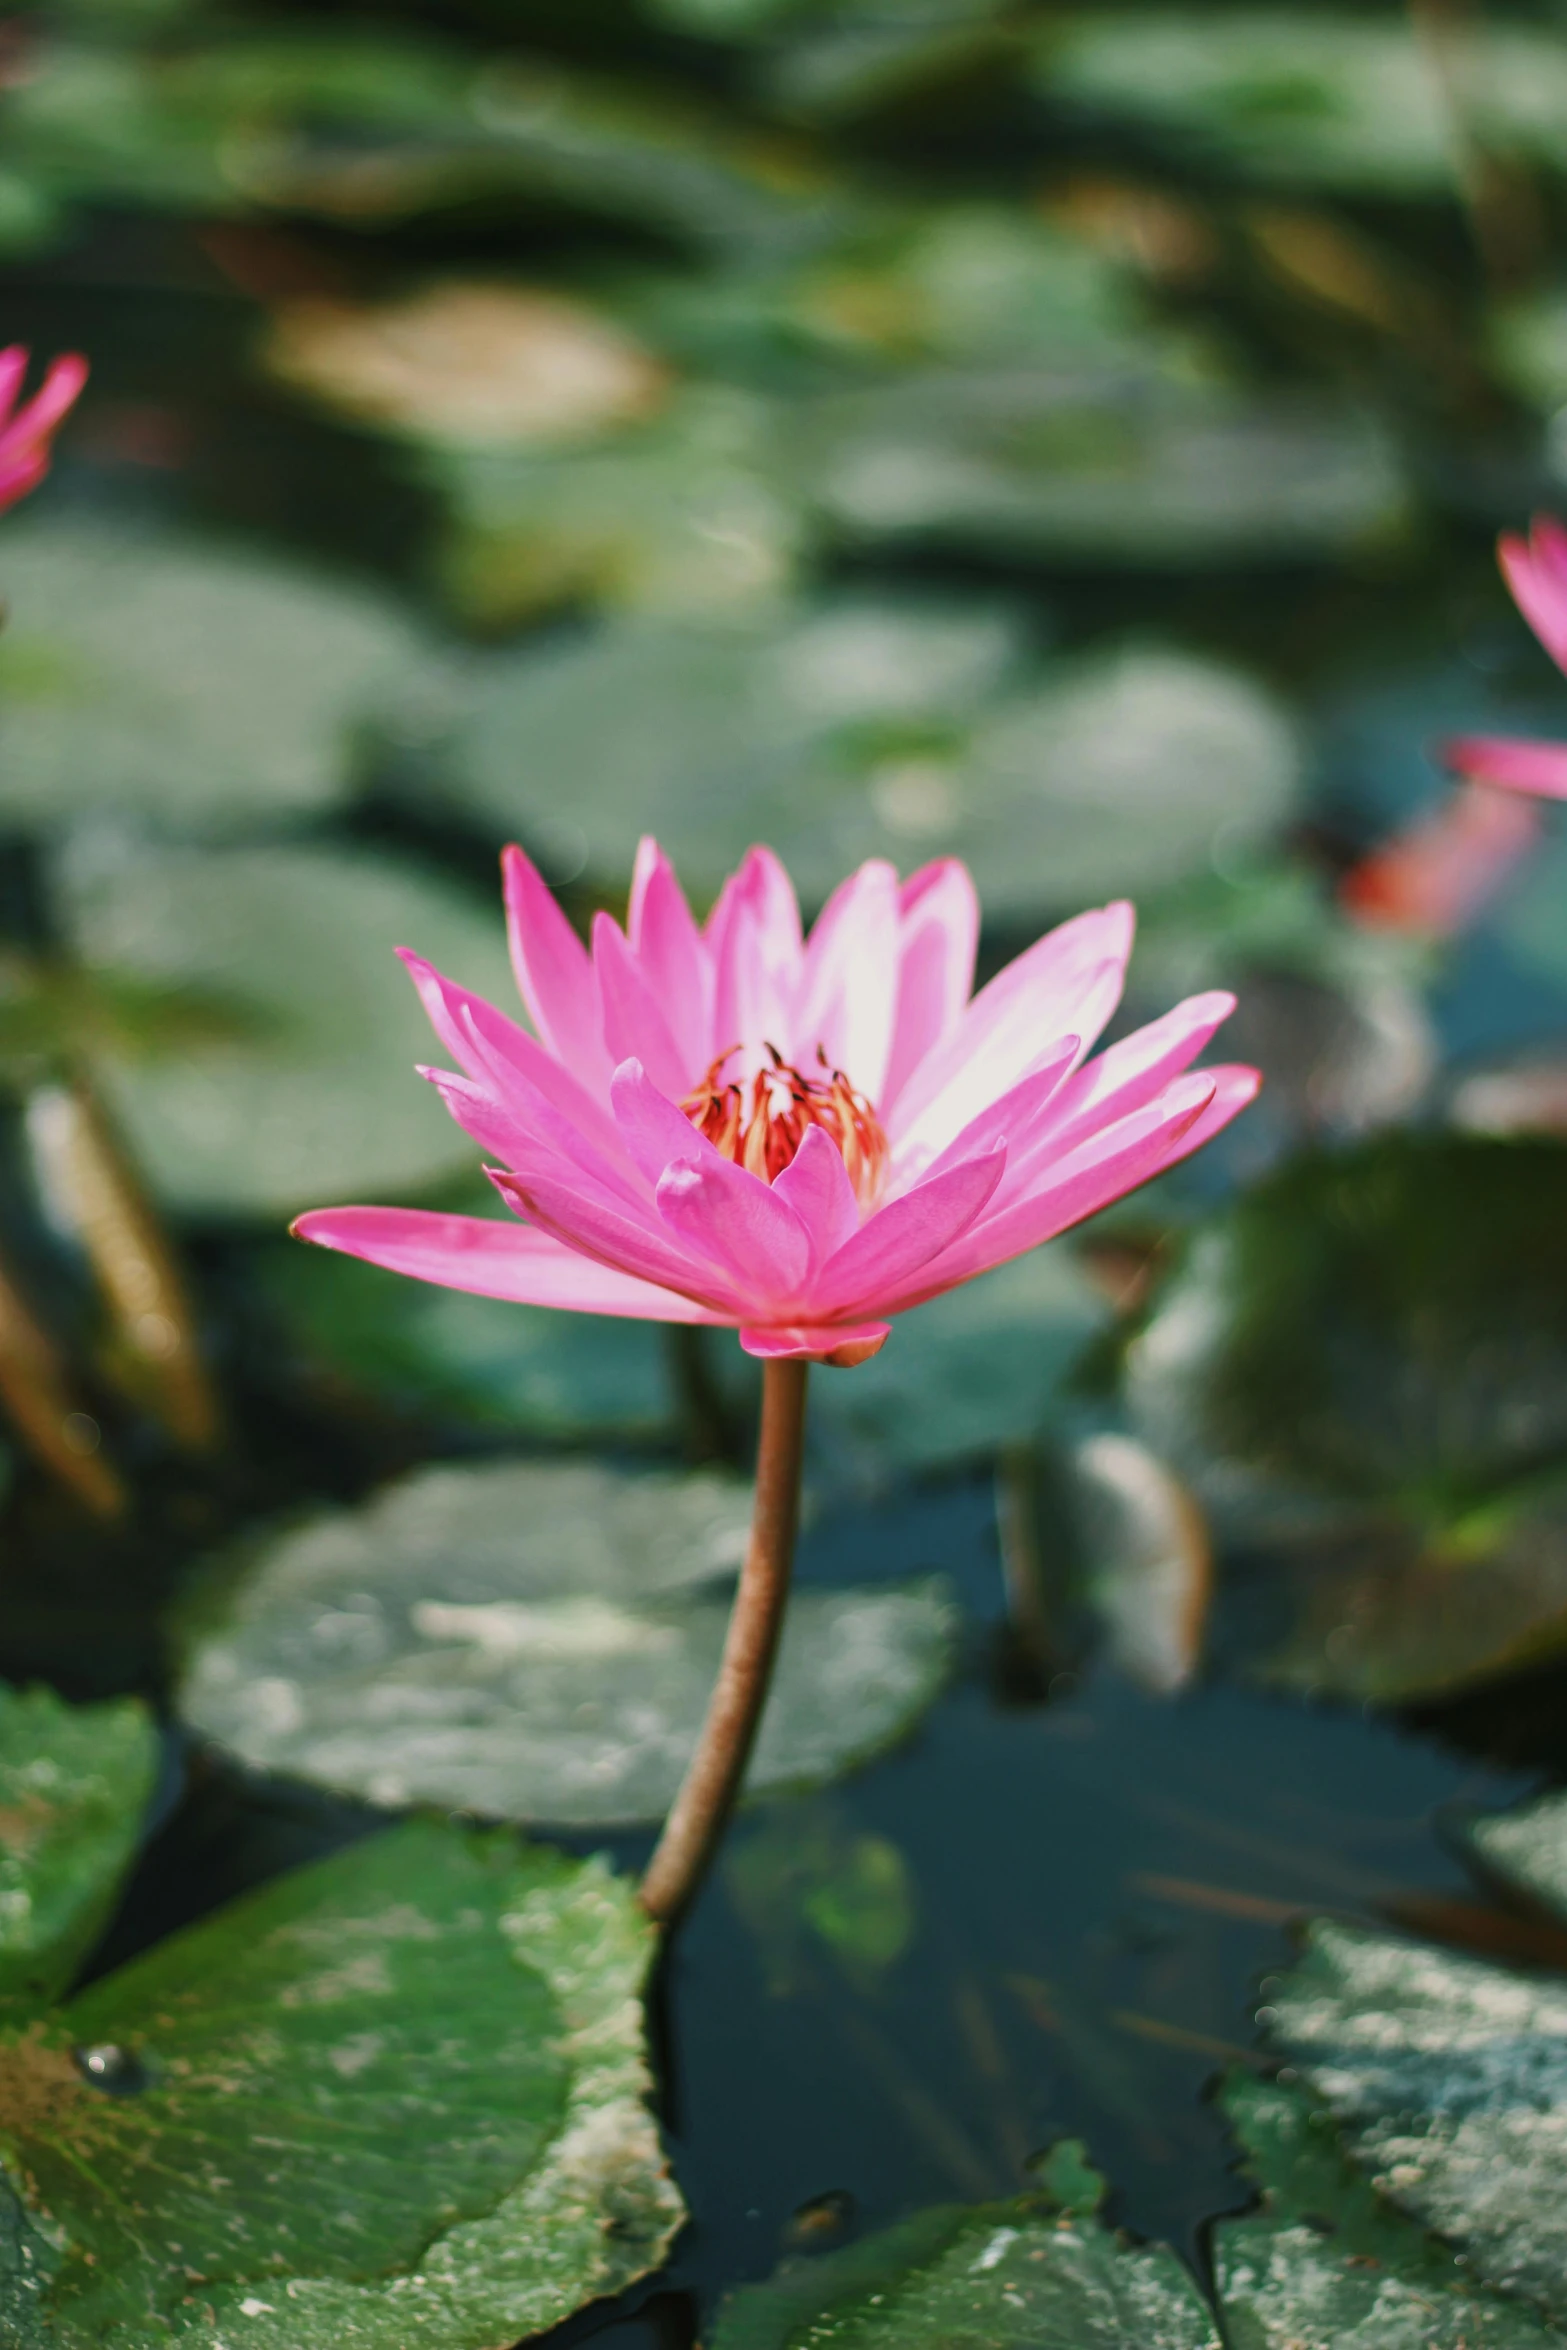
<point>689,513</point>
<point>1103,465</point>
<point>1317,100</point>
<point>1039,2273</point>
<point>1361,1366</point>
<point>75,1782</point>
<point>1329,2261</point>
<point>301,938</point>
<point>862,728</point>
<point>391,2099</point>
<point>539,1640</point>
<point>182,681</point>
<point>572,1377</point>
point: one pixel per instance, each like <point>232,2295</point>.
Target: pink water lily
<point>25,432</point>
<point>1536,571</point>
<point>797,1137</point>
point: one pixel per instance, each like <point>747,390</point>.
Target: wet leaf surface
<point>219,2135</point>
<point>75,1784</point>
<point>301,938</point>
<point>538,1641</point>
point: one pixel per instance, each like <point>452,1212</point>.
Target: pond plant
<point>791,1136</point>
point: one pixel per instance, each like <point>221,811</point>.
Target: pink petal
<point>523,1128</point>
<point>58,392</point>
<point>673,955</point>
<point>890,1248</point>
<point>1134,1071</point>
<point>491,1259</point>
<point>816,1185</point>
<point>1187,1115</point>
<point>653,1130</point>
<point>936,971</point>
<point>740,1224</point>
<point>13,374</point>
<point>1510,761</point>
<point>753,934</point>
<point>1438,877</point>
<point>1537,577</point>
<point>829,1344</point>
<point>495,1051</point>
<point>634,1026</point>
<point>616,1235</point>
<point>850,985</point>
<point>1016,1116</point>
<point>1021,1036</point>
<point>554,973</point>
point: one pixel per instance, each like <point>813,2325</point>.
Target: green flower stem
<point>712,1781</point>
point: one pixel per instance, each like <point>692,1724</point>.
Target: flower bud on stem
<point>712,1781</point>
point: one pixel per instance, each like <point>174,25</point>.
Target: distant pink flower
<point>1536,571</point>
<point>1436,878</point>
<point>25,431</point>
<point>795,1137</point>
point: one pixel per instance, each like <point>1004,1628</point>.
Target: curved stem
<point>712,1781</point>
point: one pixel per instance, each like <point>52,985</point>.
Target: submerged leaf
<point>75,1782</point>
<point>538,1640</point>
<point>392,2099</point>
<point>303,937</point>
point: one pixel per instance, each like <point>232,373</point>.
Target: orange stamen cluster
<point>761,1125</point>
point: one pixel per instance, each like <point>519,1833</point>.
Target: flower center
<point>761,1125</point>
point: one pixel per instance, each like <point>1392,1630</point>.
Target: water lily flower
<point>797,1137</point>
<point>1536,571</point>
<point>25,432</point>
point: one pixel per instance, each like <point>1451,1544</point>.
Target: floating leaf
<point>1447,2077</point>
<point>1527,1847</point>
<point>75,1782</point>
<point>302,937</point>
<point>1325,101</point>
<point>392,2099</point>
<point>1106,465</point>
<point>539,1640</point>
<point>472,365</point>
<point>805,1878</point>
<point>555,1375</point>
<point>1328,2261</point>
<point>1034,2273</point>
<point>864,728</point>
<point>165,677</point>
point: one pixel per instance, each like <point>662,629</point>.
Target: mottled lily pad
<point>1328,2261</point>
<point>319,1101</point>
<point>865,728</point>
<point>392,2099</point>
<point>1040,2273</point>
<point>538,1640</point>
<point>1342,102</point>
<point>571,1377</point>
<point>75,1782</point>
<point>184,682</point>
<point>1361,1367</point>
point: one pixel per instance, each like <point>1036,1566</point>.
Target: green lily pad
<point>862,728</point>
<point>320,1100</point>
<point>186,682</point>
<point>1104,465</point>
<point>538,1640</point>
<point>1447,2077</point>
<point>391,2099</point>
<point>1527,1846</point>
<point>1040,2273</point>
<point>75,1782</point>
<point>687,514</point>
<point>1361,1366</point>
<point>1329,2261</point>
<point>565,1377</point>
<point>1317,100</point>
